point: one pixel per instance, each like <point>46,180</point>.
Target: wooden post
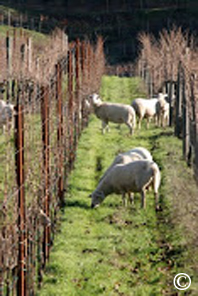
<point>1,276</point>
<point>9,18</point>
<point>194,124</point>
<point>21,20</point>
<point>151,83</point>
<point>88,65</point>
<point>60,134</point>
<point>77,91</point>
<point>29,54</point>
<point>170,95</point>
<point>70,108</point>
<point>9,65</point>
<point>46,170</point>
<point>186,127</point>
<point>2,19</point>
<point>178,115</point>
<point>19,160</point>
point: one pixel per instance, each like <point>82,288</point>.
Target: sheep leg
<point>130,127</point>
<point>5,129</point>
<point>157,120</point>
<point>124,200</point>
<point>167,120</point>
<point>147,122</point>
<point>163,122</point>
<point>104,124</point>
<point>107,128</point>
<point>156,200</point>
<point>131,197</point>
<point>139,123</point>
<point>143,199</point>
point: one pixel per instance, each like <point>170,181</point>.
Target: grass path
<point>113,250</point>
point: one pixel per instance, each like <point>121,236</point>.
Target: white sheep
<point>2,104</point>
<point>163,108</point>
<point>134,176</point>
<point>45,220</point>
<point>145,108</point>
<point>131,155</point>
<point>6,115</point>
<point>123,159</point>
<point>137,153</point>
<point>113,112</point>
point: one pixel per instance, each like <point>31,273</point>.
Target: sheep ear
<point>90,196</point>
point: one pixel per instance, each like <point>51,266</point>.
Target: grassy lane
<point>113,250</point>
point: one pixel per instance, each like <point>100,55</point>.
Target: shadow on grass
<point>77,204</point>
<point>79,188</point>
<point>163,133</point>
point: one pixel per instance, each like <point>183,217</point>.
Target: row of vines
<point>169,64</point>
<point>48,81</point>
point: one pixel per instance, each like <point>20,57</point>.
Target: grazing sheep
<point>123,159</point>
<point>113,112</point>
<point>134,176</point>
<point>128,156</point>
<point>137,153</point>
<point>143,152</point>
<point>6,115</point>
<point>145,108</point>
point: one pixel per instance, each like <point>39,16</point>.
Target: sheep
<point>2,104</point>
<point>45,220</point>
<point>165,115</point>
<point>113,112</point>
<point>6,115</point>
<point>87,105</point>
<point>143,152</point>
<point>123,159</point>
<point>131,155</point>
<point>134,176</point>
<point>137,153</point>
<point>163,108</point>
<point>145,108</point>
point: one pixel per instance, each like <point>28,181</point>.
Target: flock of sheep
<point>132,171</point>
<point>155,108</point>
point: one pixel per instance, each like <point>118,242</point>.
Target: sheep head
<point>97,198</point>
<point>95,99</point>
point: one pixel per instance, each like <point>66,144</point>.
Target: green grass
<point>114,250</point>
<point>36,36</point>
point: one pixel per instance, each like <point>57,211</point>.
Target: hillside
<point>118,21</point>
